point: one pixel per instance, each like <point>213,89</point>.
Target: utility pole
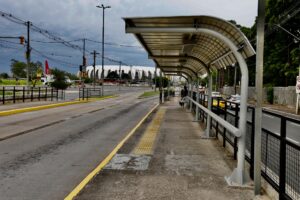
<point>83,56</point>
<point>28,50</point>
<point>120,75</point>
<point>102,74</point>
<point>94,71</point>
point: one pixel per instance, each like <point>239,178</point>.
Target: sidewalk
<point>177,164</point>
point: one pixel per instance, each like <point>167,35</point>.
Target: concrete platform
<point>182,167</point>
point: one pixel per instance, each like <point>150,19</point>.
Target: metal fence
<point>86,93</point>
<point>22,94</point>
<point>280,152</point>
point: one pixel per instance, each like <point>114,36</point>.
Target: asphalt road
<point>62,145</point>
<point>73,93</point>
<point>272,123</point>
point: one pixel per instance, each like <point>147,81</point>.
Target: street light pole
<point>102,74</point>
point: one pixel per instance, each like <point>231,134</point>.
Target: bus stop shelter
<point>191,46</point>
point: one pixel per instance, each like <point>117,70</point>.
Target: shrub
<point>270,94</point>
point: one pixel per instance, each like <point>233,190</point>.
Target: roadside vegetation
<point>149,94</point>
<point>5,82</point>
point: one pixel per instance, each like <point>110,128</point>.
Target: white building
<point>136,71</point>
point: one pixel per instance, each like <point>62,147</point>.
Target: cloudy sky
<point>73,20</point>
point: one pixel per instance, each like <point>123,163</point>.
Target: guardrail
<point>21,94</point>
<point>280,152</point>
<point>86,93</point>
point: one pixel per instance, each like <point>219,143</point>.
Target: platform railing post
<point>191,95</point>
<point>208,120</point>
<point>197,99</point>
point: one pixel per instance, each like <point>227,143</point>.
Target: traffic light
<point>22,40</point>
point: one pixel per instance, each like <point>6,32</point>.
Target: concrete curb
<point>36,108</point>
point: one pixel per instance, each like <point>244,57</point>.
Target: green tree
<point>113,75</point>
<point>125,76</point>
<point>165,81</point>
<point>71,76</point>
<point>35,67</point>
<point>59,79</point>
<point>18,69</point>
<point>4,75</point>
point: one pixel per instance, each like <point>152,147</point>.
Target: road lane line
<point>104,162</point>
<point>146,143</point>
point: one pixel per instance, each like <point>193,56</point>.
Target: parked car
<point>215,94</point>
<point>233,101</point>
<point>221,103</point>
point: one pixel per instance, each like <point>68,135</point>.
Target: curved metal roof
<point>190,52</point>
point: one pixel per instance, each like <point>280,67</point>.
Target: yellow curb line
<point>29,109</point>
<point>92,174</point>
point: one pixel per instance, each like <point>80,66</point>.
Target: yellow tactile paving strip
<point>146,143</point>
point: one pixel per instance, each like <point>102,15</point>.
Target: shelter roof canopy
<point>177,50</point>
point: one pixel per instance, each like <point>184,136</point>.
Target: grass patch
<point>149,94</point>
<point>4,82</point>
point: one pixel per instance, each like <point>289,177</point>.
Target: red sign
<point>47,70</point>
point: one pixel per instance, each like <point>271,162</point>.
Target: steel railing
<point>280,152</point>
<point>15,94</point>
<point>86,93</point>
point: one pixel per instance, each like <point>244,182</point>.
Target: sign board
<point>298,85</point>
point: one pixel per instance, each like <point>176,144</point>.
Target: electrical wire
<point>72,65</point>
<point>55,38</point>
<point>114,44</point>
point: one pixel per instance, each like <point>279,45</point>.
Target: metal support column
<point>259,93</point>
<point>169,81</point>
<point>155,76</point>
<point>160,88</point>
<point>191,95</point>
<point>208,119</point>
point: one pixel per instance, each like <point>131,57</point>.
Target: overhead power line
<point>72,65</point>
<point>55,38</point>
<point>114,44</point>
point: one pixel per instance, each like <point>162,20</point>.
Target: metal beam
<point>180,57</point>
<point>180,67</point>
<point>179,72</point>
